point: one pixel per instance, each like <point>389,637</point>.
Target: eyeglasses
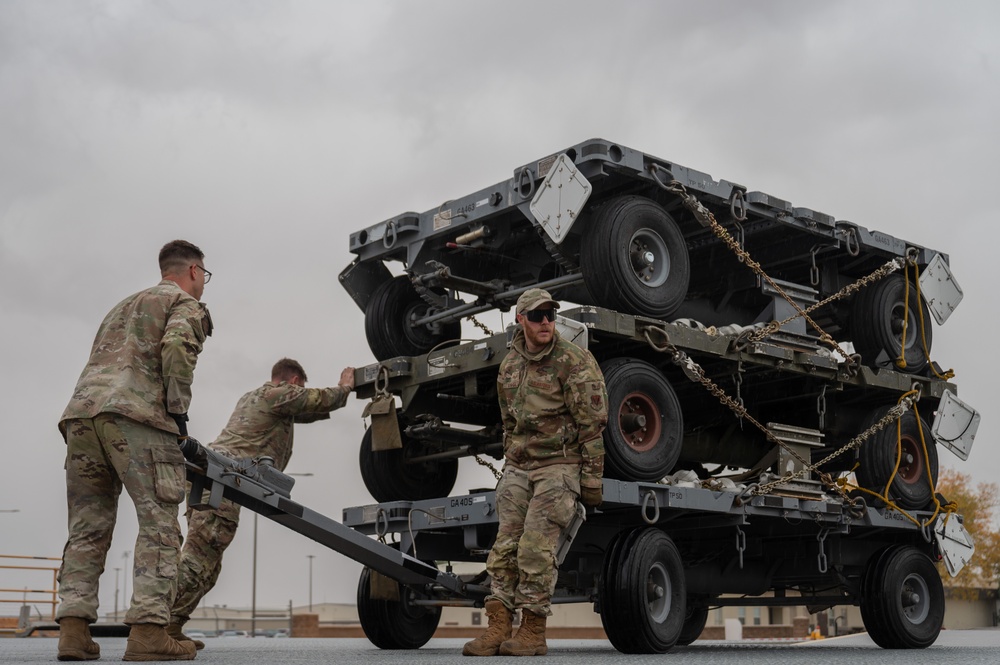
<point>208,275</point>
<point>539,315</point>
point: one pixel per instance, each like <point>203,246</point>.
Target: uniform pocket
<point>168,475</point>
<point>166,564</point>
<point>563,501</point>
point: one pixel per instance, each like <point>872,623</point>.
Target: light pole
<point>125,573</point>
<point>117,570</point>
<point>310,557</point>
<point>253,595</point>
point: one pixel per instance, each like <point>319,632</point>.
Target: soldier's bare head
<point>184,263</point>
<point>288,370</point>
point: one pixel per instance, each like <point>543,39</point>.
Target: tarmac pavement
<point>961,647</point>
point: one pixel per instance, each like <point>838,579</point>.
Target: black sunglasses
<point>539,315</point>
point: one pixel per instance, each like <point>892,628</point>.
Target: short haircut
<point>177,255</point>
<point>286,369</point>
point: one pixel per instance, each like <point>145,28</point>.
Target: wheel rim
<point>896,317</point>
<point>658,593</point>
<point>911,466</point>
<point>639,421</point>
<point>650,257</point>
<point>914,599</point>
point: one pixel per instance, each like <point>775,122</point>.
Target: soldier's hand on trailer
<point>591,496</point>
<point>347,378</point>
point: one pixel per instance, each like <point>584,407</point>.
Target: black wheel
<point>643,593</point>
<point>634,258</point>
<point>394,624</point>
<point>645,427</point>
<point>390,477</point>
<point>694,621</point>
<point>391,308</point>
<point>614,622</point>
<point>903,604</point>
<point>911,487</point>
<point>870,580</point>
<point>878,314</point>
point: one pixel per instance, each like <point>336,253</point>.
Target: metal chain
<point>696,373</point>
<point>479,324</point>
<point>706,218</point>
<point>480,461</point>
<point>889,268</point>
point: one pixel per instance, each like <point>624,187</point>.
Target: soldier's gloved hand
<point>193,452</point>
<point>590,491</point>
<point>182,420</point>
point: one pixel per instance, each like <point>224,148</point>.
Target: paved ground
<point>972,647</point>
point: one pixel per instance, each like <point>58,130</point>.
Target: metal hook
<point>656,508</point>
<point>390,230</point>
<point>738,205</point>
<point>383,377</point>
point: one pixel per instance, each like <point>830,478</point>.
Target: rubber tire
<point>389,310</point>
<point>636,382</point>
<point>871,619</point>
<point>694,622</point>
<point>606,261</point>
<point>871,326</point>
<point>877,457</point>
<point>394,624</point>
<point>389,478</point>
<point>888,577</point>
<point>633,621</point>
<point>613,622</point>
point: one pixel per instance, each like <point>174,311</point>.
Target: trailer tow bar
<point>263,489</point>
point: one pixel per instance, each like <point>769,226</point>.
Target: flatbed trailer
<point>653,558</point>
<point>680,396</point>
<point>599,223</point>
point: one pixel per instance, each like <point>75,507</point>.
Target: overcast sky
<point>266,132</point>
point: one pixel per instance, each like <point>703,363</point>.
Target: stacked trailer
<point>770,437</point>
<point>681,396</point>
<point>602,224</point>
<point>652,559</point>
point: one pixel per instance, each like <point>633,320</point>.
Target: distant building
<point>971,608</point>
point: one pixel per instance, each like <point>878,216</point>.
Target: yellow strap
<point>947,508</point>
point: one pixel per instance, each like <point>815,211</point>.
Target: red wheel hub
<point>640,422</point>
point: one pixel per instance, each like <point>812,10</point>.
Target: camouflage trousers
<point>533,508</point>
<point>209,533</point>
<point>103,454</point>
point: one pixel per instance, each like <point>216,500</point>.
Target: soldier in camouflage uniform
<point>121,429</point>
<point>554,407</point>
<point>262,425</point>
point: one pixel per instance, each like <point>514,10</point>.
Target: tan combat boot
<point>176,631</point>
<point>498,630</point>
<point>530,638</point>
<point>149,641</point>
<point>75,642</point>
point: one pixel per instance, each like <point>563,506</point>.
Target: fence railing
<point>32,596</point>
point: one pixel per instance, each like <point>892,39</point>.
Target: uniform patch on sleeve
<point>596,402</point>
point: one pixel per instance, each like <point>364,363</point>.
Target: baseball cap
<point>532,299</point>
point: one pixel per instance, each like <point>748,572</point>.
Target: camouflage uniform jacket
<point>554,404</point>
<point>142,363</point>
<point>263,420</point>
